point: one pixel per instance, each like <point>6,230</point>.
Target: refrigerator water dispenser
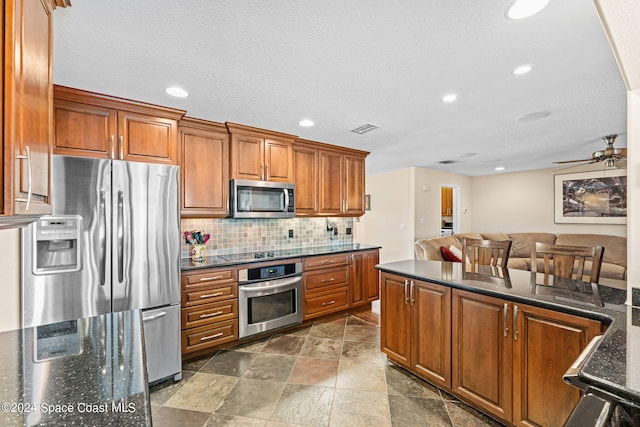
<point>57,244</point>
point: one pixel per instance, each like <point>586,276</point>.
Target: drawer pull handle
<point>329,302</point>
<point>328,280</point>
<point>210,337</point>
<point>203,279</point>
<point>217,294</point>
<point>204,316</point>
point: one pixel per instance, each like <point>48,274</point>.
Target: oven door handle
<point>273,284</point>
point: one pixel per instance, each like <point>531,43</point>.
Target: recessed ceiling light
<point>177,92</point>
<point>449,98</point>
<point>532,117</point>
<point>499,168</point>
<point>306,123</point>
<point>523,69</point>
<point>521,9</point>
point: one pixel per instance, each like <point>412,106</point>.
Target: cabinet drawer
<point>207,278</point>
<point>318,305</point>
<point>328,278</point>
<point>212,294</point>
<point>326,261</point>
<point>209,336</point>
<point>205,314</point>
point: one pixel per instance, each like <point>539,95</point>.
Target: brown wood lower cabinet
<point>364,277</point>
<point>336,282</point>
<point>482,352</point>
<point>415,328</point>
<point>546,343</point>
<point>209,308</point>
<point>507,359</point>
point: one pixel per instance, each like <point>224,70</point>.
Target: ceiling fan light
<point>521,9</point>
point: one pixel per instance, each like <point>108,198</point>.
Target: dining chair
<point>486,252</point>
<point>567,262</point>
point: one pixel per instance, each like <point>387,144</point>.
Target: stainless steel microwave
<point>261,199</point>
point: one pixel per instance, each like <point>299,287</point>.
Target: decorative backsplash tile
<point>256,235</point>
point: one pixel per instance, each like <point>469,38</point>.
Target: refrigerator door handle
<point>154,316</point>
<point>120,233</point>
<point>103,237</point>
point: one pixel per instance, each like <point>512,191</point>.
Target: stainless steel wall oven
<point>269,297</point>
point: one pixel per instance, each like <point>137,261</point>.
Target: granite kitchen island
<point>89,371</point>
<point>502,339</point>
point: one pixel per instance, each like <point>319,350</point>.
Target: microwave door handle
<point>286,200</point>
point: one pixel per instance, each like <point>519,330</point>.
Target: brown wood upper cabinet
<point>204,168</point>
<point>94,125</point>
<point>260,155</point>
<point>329,179</point>
<point>27,105</point>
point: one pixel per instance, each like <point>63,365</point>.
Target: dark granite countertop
<point>246,258</point>
<point>613,366</point>
<point>88,371</point>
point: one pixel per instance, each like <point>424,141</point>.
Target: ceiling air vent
<point>365,128</point>
<point>447,162</point>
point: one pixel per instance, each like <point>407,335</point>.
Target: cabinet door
<point>546,343</point>
<point>305,176</point>
<point>394,319</point>
<point>278,160</point>
<point>354,186</point>
<point>247,157</point>
<point>482,352</point>
<point>358,295</point>
<point>145,138</point>
<point>431,337</point>
<point>205,172</point>
<point>27,106</point>
<point>370,275</point>
<point>84,130</point>
<point>331,176</point>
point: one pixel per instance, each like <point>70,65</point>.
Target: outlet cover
<point>348,230</point>
<point>290,233</point>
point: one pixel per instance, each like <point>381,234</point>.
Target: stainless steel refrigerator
<point>111,244</point>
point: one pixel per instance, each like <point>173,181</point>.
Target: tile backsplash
<point>255,235</point>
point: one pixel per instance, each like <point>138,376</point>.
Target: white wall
<point>633,188</point>
<point>10,279</point>
<point>391,208</point>
<point>428,200</point>
<point>523,201</point>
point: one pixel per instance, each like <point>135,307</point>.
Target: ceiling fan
<point>609,155</point>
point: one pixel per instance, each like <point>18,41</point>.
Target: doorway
<point>449,209</point>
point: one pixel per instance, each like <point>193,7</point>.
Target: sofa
<point>614,263</point>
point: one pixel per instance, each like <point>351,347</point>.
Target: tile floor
<point>330,373</point>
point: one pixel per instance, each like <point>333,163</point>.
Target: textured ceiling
<point>344,63</point>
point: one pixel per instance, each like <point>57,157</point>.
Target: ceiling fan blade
<point>574,161</point>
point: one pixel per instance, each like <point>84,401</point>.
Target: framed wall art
<point>591,197</point>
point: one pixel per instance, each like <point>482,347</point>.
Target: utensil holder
<point>198,252</point>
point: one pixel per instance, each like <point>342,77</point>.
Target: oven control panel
<point>269,272</point>
<point>275,271</point>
